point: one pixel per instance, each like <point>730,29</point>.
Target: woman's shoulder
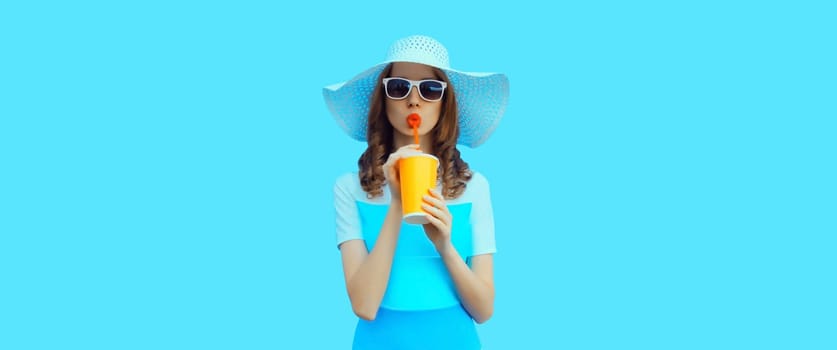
<point>348,182</point>
<point>348,178</point>
<point>478,182</point>
<point>475,188</point>
<point>478,179</point>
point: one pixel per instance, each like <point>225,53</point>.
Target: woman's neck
<point>425,142</point>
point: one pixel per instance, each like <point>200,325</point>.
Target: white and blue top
<point>420,306</point>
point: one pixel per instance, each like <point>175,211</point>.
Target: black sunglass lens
<point>398,88</point>
<point>431,90</point>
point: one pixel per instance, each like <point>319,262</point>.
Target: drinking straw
<point>414,120</point>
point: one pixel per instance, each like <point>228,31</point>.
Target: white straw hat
<point>481,98</point>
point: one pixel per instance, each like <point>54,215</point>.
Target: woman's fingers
<point>410,147</point>
<point>437,223</point>
<point>391,169</point>
<point>391,165</point>
<point>437,209</point>
<point>406,150</point>
<point>401,153</point>
<point>435,199</point>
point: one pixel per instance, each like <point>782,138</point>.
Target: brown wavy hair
<point>454,172</point>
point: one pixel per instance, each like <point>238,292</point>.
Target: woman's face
<point>398,110</point>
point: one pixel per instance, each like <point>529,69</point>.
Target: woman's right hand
<point>391,171</point>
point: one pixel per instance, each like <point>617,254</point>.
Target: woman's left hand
<point>441,220</point>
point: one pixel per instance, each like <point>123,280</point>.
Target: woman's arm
<point>367,274</point>
<point>475,286</point>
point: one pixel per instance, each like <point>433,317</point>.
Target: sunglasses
<point>429,89</point>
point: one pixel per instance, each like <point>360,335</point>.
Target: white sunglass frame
<point>416,84</point>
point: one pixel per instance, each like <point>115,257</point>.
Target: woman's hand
<point>441,220</point>
<point>391,171</point>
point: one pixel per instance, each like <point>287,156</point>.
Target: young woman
<point>417,286</point>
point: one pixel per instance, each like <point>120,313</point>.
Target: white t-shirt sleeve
<point>482,216</point>
<point>346,212</point>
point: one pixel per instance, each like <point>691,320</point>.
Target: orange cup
<point>418,175</point>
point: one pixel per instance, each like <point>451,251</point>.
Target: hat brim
<point>481,100</point>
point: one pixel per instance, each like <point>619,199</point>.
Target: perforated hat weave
<point>481,98</point>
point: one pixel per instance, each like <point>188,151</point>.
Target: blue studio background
<point>663,177</point>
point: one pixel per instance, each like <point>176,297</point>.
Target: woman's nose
<point>413,98</point>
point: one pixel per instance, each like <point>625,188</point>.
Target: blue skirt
<point>448,328</point>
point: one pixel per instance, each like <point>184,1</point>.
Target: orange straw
<point>414,120</point>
